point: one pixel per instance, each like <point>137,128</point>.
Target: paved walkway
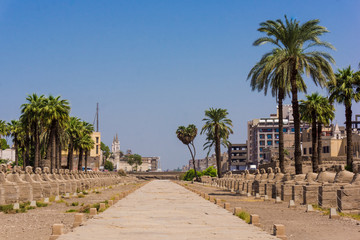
<point>163,210</point>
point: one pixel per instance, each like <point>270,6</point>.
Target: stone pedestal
<point>297,194</point>
<point>348,199</point>
<point>286,192</point>
<point>311,194</point>
<point>328,195</point>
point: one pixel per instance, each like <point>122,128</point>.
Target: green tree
<point>345,90</point>
<point>129,158</point>
<point>187,135</point>
<point>14,130</point>
<point>82,139</point>
<point>297,42</point>
<point>88,144</point>
<point>210,171</point>
<point>31,113</point>
<point>217,126</point>
<point>3,144</point>
<point>105,150</point>
<point>269,73</point>
<point>72,132</point>
<point>3,128</point>
<point>55,114</point>
<point>109,166</point>
<point>137,160</point>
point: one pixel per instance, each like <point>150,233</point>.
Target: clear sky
<point>154,65</point>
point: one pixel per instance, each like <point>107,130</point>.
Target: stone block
<point>237,210</point>
<point>57,198</point>
<point>309,208</point>
<point>333,214</point>
<point>279,231</point>
<point>292,204</point>
<point>93,212</point>
<point>16,206</point>
<point>78,219</point>
<point>110,202</point>
<point>33,204</point>
<point>297,194</point>
<point>206,196</point>
<point>286,192</point>
<point>218,201</point>
<point>212,199</point>
<point>46,200</point>
<point>348,198</point>
<point>311,194</point>
<point>254,220</point>
<point>266,198</point>
<point>227,206</point>
<point>278,200</point>
<point>257,196</point>
<point>57,230</point>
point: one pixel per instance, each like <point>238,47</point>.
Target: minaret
<point>115,146</point>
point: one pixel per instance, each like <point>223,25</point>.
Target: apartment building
<point>238,159</point>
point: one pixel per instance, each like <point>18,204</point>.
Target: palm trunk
<point>56,153</point>
<point>281,131</point>
<point>70,155</point>
<point>193,160</point>
<point>53,151</point>
<point>27,152</point>
<point>16,151</point>
<point>24,158</point>
<point>37,145</point>
<point>314,156</point>
<point>349,155</point>
<point>59,152</point>
<point>218,150</point>
<point>86,159</point>
<point>295,105</point>
<point>319,128</point>
<point>80,159</point>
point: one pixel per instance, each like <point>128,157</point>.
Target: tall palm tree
<point>344,91</point>
<point>72,133</point>
<point>31,116</point>
<point>296,40</point>
<point>309,111</point>
<point>187,135</point>
<point>84,132</point>
<point>216,125</point>
<point>3,128</point>
<point>270,73</point>
<point>55,114</point>
<point>326,114</point>
<point>14,129</point>
<point>88,144</point>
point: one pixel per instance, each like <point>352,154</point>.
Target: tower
<point>115,146</point>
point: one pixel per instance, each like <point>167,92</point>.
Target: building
<point>8,154</point>
<point>333,141</point>
<point>238,159</point>
<point>204,163</point>
<point>263,133</point>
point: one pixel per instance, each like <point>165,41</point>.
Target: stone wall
<point>18,186</point>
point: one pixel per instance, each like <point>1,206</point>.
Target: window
<point>261,149</point>
<point>276,142</point>
<point>285,130</point>
<point>261,155</point>
<point>277,136</point>
<point>310,150</point>
<point>304,151</point>
<point>326,149</point>
<point>97,149</point>
<point>293,130</point>
<point>262,136</point>
<point>276,130</point>
<point>97,139</point>
<point>269,136</point>
<point>262,143</point>
<point>269,143</point>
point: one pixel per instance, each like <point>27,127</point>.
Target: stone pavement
<point>164,210</point>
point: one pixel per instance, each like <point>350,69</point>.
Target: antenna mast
<point>97,117</point>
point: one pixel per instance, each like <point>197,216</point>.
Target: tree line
<point>44,129</point>
<point>296,53</point>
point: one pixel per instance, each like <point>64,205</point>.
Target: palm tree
<point>31,116</point>
<point>82,140</point>
<point>309,111</point>
<point>268,72</point>
<point>187,135</point>
<point>326,114</point>
<point>3,128</point>
<point>217,125</point>
<point>88,144</point>
<point>344,91</point>
<point>296,41</point>
<point>14,129</point>
<point>55,114</point>
<point>72,133</point>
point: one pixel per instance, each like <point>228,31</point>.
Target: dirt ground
<point>299,224</point>
<point>37,223</point>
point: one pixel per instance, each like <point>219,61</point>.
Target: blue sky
<point>154,65</point>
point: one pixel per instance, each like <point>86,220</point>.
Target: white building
<point>8,154</point>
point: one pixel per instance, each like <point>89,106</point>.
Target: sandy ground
<point>298,223</point>
<point>37,223</point>
<point>163,210</point>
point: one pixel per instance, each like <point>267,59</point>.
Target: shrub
<point>348,168</point>
<point>6,208</point>
<point>109,166</point>
<point>41,204</point>
<point>244,216</point>
<point>121,172</point>
<point>71,210</point>
<point>189,175</point>
<point>81,196</point>
<point>210,171</point>
<point>75,204</point>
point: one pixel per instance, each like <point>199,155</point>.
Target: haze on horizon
<point>154,65</point>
